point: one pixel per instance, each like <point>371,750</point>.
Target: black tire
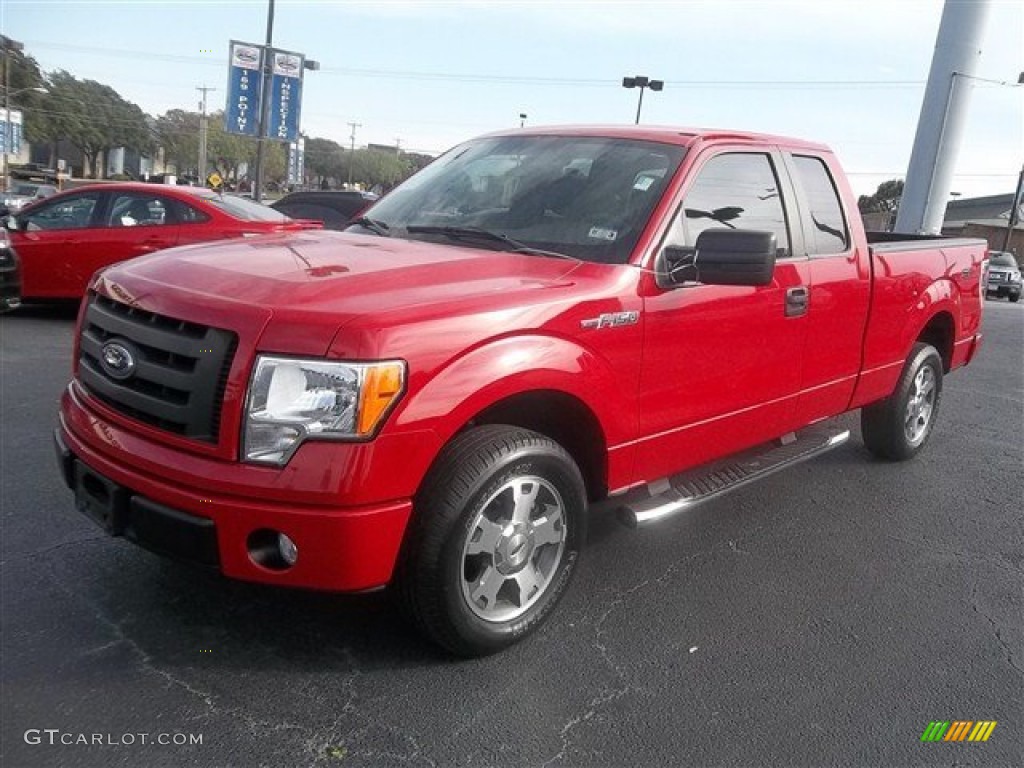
<point>1014,297</point>
<point>439,576</point>
<point>898,427</point>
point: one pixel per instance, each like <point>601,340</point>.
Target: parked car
<point>21,193</point>
<point>63,240</point>
<point>1004,278</point>
<point>34,172</point>
<point>10,277</point>
<point>334,209</point>
<point>539,320</point>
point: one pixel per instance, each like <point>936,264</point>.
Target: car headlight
<point>293,400</point>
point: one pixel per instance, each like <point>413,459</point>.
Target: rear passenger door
<point>839,288</point>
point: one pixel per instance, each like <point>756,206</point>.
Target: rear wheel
<point>1015,297</point>
<point>498,529</point>
<point>898,427</point>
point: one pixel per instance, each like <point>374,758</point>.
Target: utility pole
<point>398,146</point>
<point>1018,199</point>
<point>352,152</point>
<point>268,54</point>
<point>202,133</point>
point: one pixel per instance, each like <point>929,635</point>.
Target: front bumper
<point>339,548</point>
<point>1003,288</point>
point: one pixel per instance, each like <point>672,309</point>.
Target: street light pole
<point>8,45</point>
<point>642,82</point>
<point>267,66</point>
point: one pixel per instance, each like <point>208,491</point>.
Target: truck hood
<point>307,285</point>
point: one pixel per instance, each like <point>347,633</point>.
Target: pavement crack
<point>52,548</point>
<point>593,706</point>
<point>996,631</point>
<point>256,726</point>
<point>963,555</point>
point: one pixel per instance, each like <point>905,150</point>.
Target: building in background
<point>988,218</point>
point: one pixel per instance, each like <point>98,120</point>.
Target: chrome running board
<point>689,489</point>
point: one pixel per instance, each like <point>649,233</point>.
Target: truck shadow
<point>183,616</point>
<point>62,311</point>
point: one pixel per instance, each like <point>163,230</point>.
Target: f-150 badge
<point>611,320</point>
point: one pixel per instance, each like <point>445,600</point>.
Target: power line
<point>464,77</point>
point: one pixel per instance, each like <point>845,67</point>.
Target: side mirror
<point>11,223</point>
<point>735,257</point>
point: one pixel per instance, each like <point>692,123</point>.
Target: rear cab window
<point>827,233</point>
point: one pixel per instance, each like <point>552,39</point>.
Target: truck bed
<point>932,277</point>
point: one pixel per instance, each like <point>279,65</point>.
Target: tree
<point>324,159</point>
<point>372,167</point>
<point>178,133</point>
<point>24,76</point>
<point>886,198</point>
<point>227,151</point>
<point>94,118</point>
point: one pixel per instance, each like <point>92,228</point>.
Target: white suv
<point>1003,275</point>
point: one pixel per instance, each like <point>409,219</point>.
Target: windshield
<point>246,210</point>
<point>584,197</point>
<point>28,190</point>
<point>1001,259</point>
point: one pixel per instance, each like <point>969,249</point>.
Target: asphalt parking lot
<point>822,617</point>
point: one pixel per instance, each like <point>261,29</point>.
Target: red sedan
<point>64,239</point>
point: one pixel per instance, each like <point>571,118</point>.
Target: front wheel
<point>898,427</point>
<point>498,529</point>
<point>1015,297</point>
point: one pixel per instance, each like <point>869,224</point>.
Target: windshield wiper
<point>478,233</point>
<point>375,226</point>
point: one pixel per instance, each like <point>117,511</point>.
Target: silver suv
<point>1003,275</point>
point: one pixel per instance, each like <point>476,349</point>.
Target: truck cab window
<point>828,227</point>
<point>733,191</point>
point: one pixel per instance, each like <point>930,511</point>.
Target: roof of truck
<point>663,133</point>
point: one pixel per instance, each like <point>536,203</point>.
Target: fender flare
<point>514,365</point>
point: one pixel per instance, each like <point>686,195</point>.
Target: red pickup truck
<point>539,320</point>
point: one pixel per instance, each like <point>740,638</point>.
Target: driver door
<point>48,244</point>
<point>722,364</point>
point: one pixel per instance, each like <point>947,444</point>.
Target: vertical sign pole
<point>266,65</point>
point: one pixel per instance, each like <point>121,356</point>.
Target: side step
<point>689,489</point>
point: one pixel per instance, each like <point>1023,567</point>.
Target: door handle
<point>797,301</point>
<point>151,244</point>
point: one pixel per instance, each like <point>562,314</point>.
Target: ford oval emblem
<point>117,360</point>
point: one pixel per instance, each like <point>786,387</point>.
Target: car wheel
<point>1014,297</point>
<point>898,427</point>
<point>497,531</point>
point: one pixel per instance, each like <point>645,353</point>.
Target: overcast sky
<point>850,74</point>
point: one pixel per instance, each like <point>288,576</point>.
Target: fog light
<point>272,549</point>
<point>289,552</point>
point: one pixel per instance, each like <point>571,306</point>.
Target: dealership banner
<point>297,162</point>
<point>245,80</point>
<point>10,134</point>
<point>285,96</point>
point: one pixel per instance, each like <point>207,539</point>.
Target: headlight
<point>294,400</point>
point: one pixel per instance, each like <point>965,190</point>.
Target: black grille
<point>180,374</point>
